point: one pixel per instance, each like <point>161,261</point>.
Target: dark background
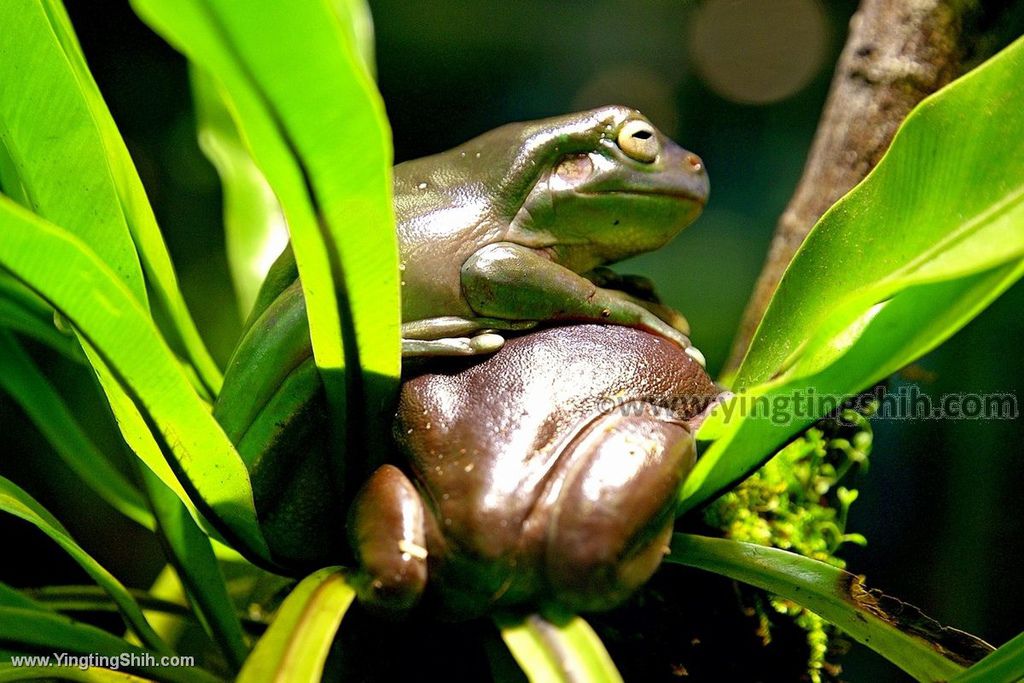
<point>742,85</point>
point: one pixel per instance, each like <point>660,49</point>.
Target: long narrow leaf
<point>932,235</point>
<point>335,192</point>
<point>54,143</point>
<point>98,674</point>
<point>895,630</point>
<point>254,227</point>
<point>20,378</point>
<point>15,501</point>
<point>62,270</point>
<point>1005,665</point>
<point>295,647</point>
<point>747,430</point>
<point>10,597</point>
<point>72,598</point>
<point>17,319</point>
<point>43,631</point>
<point>557,648</point>
<point>946,201</point>
<point>189,550</point>
<point>149,243</point>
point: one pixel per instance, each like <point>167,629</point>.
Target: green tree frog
<point>515,227</point>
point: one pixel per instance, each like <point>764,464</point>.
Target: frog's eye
<point>639,141</point>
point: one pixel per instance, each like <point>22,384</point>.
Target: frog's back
<point>450,205</point>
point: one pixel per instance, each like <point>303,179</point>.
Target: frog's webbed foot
<point>487,342</point>
<point>387,533</point>
<point>640,291</point>
<point>636,286</point>
<point>456,335</point>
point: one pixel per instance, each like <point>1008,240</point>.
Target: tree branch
<point>897,53</point>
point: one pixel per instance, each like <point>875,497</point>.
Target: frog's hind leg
<point>456,336</point>
<point>452,346</point>
<point>387,533</point>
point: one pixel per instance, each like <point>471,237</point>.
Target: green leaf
<point>295,647</point>
<point>188,549</point>
<point>895,333</point>
<point>55,146</point>
<point>254,228</point>
<point>72,167</point>
<point>931,237</point>
<point>26,314</point>
<point>15,501</point>
<point>72,598</point>
<point>9,672</point>
<point>10,597</point>
<point>20,378</point>
<point>149,243</point>
<point>556,647</point>
<point>1005,665</point>
<point>40,631</point>
<point>946,201</point>
<point>355,15</point>
<point>64,272</point>
<point>897,631</point>
<point>323,144</point>
<point>17,319</point>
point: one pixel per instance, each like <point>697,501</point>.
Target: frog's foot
<point>457,336</point>
<point>386,530</point>
<point>639,290</point>
<point>637,286</point>
<point>666,313</point>
<point>487,342</point>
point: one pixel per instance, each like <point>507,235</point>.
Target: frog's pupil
<point>642,134</point>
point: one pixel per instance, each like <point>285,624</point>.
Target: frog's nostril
<point>694,163</point>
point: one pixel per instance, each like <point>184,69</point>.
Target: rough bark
<point>897,53</point>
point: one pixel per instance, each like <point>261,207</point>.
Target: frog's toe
<point>488,342</point>
<point>694,353</point>
<point>674,318</point>
<point>676,336</point>
<point>452,346</point>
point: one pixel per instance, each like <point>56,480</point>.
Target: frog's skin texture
<point>513,227</point>
<point>522,484</point>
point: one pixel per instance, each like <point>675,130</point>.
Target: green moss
<point>795,502</point>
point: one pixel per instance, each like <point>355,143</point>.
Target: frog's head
<point>607,185</point>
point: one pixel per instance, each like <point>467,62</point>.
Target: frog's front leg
<point>387,533</point>
<point>639,290</point>
<point>513,282</point>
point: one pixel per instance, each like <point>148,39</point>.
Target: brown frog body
<point>547,472</point>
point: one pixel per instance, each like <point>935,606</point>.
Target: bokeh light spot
<point>757,52</point>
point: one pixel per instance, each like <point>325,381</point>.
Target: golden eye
<point>638,140</point>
